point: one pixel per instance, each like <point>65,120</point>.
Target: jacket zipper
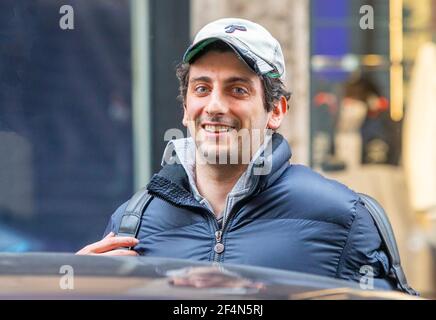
<point>210,215</point>
<point>219,246</point>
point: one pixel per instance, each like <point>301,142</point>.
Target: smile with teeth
<point>217,128</point>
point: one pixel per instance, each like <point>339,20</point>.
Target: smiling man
<point>228,193</point>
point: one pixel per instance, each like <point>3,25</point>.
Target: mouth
<point>213,128</point>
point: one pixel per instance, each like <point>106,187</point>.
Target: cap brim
<point>254,62</point>
<point>195,49</point>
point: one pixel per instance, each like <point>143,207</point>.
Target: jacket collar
<point>174,184</point>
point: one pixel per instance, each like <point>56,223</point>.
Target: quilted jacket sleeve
<point>364,256</point>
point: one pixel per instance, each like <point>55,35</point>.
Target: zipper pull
<point>219,247</point>
<point>218,235</point>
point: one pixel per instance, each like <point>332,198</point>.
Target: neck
<point>214,182</point>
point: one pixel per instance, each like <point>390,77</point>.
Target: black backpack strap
<point>387,234</point>
<point>131,218</point>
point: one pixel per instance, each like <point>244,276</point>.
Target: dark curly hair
<point>273,88</point>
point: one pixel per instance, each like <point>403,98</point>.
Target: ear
<point>277,114</point>
<point>185,116</point>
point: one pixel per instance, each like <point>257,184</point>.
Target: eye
<point>201,89</point>
<point>239,91</point>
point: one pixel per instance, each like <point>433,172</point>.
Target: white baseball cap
<point>250,41</point>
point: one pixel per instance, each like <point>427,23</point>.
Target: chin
<point>218,154</point>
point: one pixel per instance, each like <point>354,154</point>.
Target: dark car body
<point>68,276</point>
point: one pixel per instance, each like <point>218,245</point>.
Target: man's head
<point>231,84</point>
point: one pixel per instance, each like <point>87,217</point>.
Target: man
<point>210,205</point>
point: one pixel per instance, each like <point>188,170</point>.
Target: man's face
<point>225,100</point>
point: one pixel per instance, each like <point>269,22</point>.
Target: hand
<point>109,245</point>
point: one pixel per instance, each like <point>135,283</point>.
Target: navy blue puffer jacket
<point>293,219</point>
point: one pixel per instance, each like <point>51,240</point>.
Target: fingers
<point>87,249</point>
<point>112,243</point>
<point>108,243</point>
<point>120,253</point>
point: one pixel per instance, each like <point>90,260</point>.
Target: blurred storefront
<point>67,144</point>
<point>63,95</point>
<point>367,128</point>
<point>419,146</point>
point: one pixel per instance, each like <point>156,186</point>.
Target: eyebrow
<point>240,79</point>
<point>198,79</point>
<point>227,81</point>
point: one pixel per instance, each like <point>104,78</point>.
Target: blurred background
<point>84,110</point>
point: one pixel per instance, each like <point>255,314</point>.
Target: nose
<point>217,104</point>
